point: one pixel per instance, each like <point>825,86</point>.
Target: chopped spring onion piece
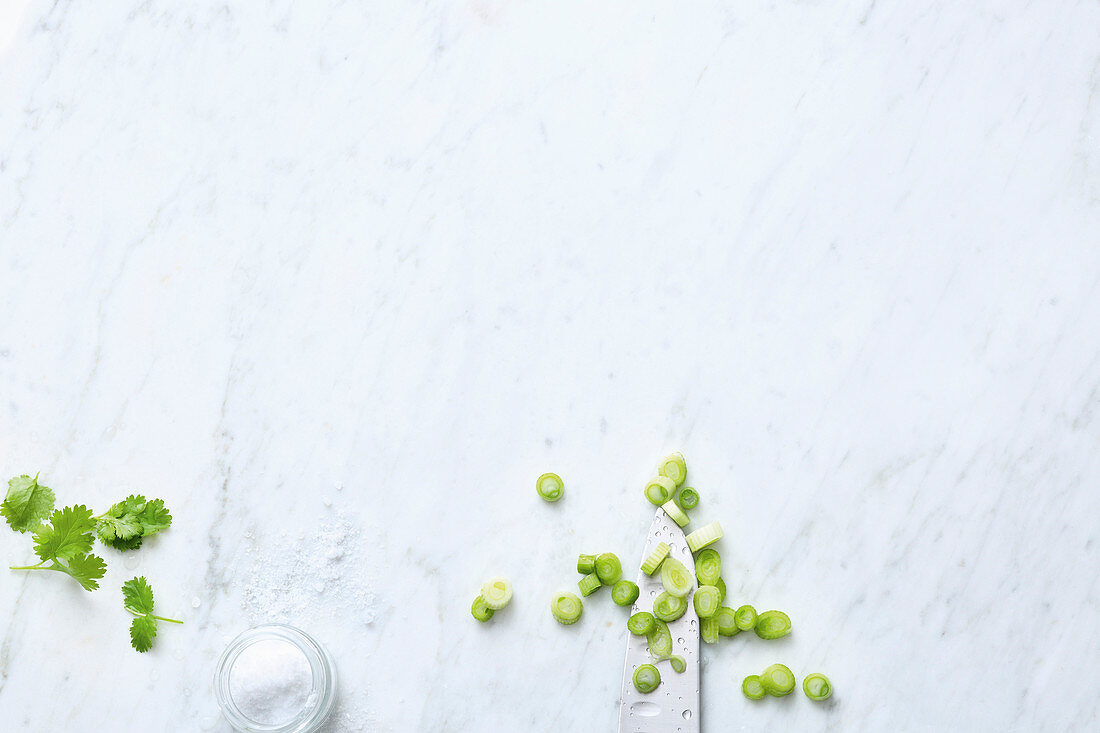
<point>646,678</point>
<point>753,687</point>
<point>480,610</point>
<point>675,513</point>
<point>674,467</point>
<point>550,486</point>
<point>589,584</point>
<point>727,621</point>
<point>773,625</point>
<point>708,630</point>
<point>704,536</point>
<point>721,586</point>
<point>778,680</point>
<point>497,592</point>
<point>687,498</point>
<point>586,564</point>
<point>566,608</point>
<point>706,601</point>
<point>676,578</point>
<point>745,617</point>
<point>659,490</point>
<point>641,623</point>
<point>708,567</point>
<point>660,640</point>
<point>655,558</point>
<point>608,568</point>
<point>624,593</point>
<point>816,686</point>
<point>668,607</point>
<point>678,663</point>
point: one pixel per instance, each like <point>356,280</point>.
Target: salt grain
<point>271,682</point>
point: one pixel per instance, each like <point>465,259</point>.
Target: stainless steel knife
<point>674,706</point>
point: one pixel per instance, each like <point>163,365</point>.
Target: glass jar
<point>322,697</point>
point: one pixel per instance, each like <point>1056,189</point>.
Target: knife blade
<point>674,706</point>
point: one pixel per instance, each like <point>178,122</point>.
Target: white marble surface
<point>846,256</point>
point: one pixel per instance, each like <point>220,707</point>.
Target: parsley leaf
<point>27,503</point>
<point>128,522</point>
<point>137,598</point>
<point>66,544</point>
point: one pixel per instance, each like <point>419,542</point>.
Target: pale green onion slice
<point>727,621</point>
<point>566,608</point>
<point>642,623</point>
<point>608,568</point>
<point>646,678</point>
<point>773,625</point>
<point>687,498</point>
<point>706,601</point>
<point>624,593</point>
<point>778,680</point>
<point>721,586</point>
<point>753,687</point>
<point>746,617</point>
<point>708,630</point>
<point>481,610</point>
<point>674,467</point>
<point>589,584</point>
<point>660,640</point>
<point>704,536</point>
<point>655,558</point>
<point>677,663</point>
<point>675,513</point>
<point>668,607</point>
<point>708,567</point>
<point>816,686</point>
<point>676,578</point>
<point>586,564</point>
<point>550,486</point>
<point>497,592</point>
<point>659,490</point>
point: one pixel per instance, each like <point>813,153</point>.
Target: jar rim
<point>321,666</point>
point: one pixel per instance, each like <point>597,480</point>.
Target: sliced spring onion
<point>676,578</point>
<point>624,593</point>
<point>497,592</point>
<point>566,608</point>
<point>746,617</point>
<point>687,498</point>
<point>660,640</point>
<point>646,678</point>
<point>674,467</point>
<point>708,630</point>
<point>481,610</point>
<point>721,586</point>
<point>727,621</point>
<point>677,663</point>
<point>706,601</point>
<point>753,687</point>
<point>708,567</point>
<point>589,584</point>
<point>778,680</point>
<point>675,513</point>
<point>655,558</point>
<point>659,490</point>
<point>704,536</point>
<point>773,625</point>
<point>550,486</point>
<point>641,623</point>
<point>816,686</point>
<point>608,568</point>
<point>586,564</point>
<point>668,607</point>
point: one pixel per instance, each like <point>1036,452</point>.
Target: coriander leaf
<point>137,596</point>
<point>118,528</point>
<point>123,545</point>
<point>27,503</point>
<point>85,569</point>
<point>126,523</point>
<point>70,534</point>
<point>155,517</point>
<point>142,631</point>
